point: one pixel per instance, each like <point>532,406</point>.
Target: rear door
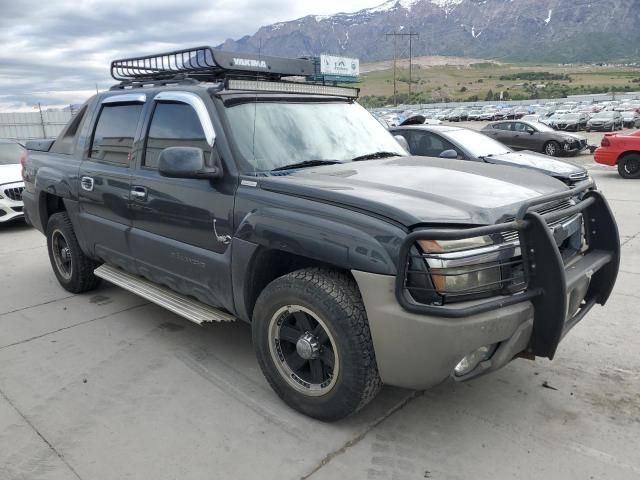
<point>182,227</point>
<point>501,132</point>
<point>105,179</point>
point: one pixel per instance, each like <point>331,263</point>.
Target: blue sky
<point>56,52</point>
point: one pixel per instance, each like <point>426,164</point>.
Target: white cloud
<point>55,52</point>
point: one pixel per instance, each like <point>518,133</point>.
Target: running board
<point>182,305</point>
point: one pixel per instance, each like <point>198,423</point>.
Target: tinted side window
<point>114,133</point>
<point>173,125</point>
<point>429,145</point>
<point>502,126</point>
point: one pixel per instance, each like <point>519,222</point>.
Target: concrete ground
<point>107,386</point>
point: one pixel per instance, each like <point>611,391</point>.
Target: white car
<point>11,184</point>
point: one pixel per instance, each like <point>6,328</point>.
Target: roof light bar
<point>290,87</point>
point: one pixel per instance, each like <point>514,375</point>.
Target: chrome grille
<point>543,210</point>
<point>14,192</point>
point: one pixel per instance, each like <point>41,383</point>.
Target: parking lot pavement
<point>107,386</point>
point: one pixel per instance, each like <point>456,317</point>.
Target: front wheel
<point>629,166</point>
<point>312,341</point>
<point>73,269</point>
<point>551,148</point>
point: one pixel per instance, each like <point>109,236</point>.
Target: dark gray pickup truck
<point>209,184</point>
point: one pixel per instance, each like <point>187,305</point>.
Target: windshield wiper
<point>374,155</point>
<point>306,163</point>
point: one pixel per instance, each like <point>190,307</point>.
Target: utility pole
<point>395,57</point>
<point>395,35</point>
<point>410,61</point>
<point>44,132</point>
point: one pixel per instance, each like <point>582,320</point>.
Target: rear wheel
<point>313,344</point>
<point>551,148</point>
<point>73,269</point>
<point>629,166</point>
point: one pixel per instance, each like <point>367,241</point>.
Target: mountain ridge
<point>558,31</point>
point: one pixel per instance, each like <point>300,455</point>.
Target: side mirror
<point>452,154</point>
<point>186,162</point>
<point>531,132</point>
<point>402,141</point>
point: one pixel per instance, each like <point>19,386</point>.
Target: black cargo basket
<point>205,63</point>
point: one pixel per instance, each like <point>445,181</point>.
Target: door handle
<point>139,193</point>
<point>87,183</point>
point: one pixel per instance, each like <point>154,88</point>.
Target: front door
<point>523,136</point>
<point>105,179</point>
<point>182,227</point>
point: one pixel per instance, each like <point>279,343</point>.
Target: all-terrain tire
<point>333,297</point>
<point>78,275</point>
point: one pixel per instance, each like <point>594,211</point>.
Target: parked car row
<point>565,116</point>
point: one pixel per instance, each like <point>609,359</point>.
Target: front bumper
<point>600,128</point>
<point>420,351</point>
<point>571,127</point>
<point>418,345</point>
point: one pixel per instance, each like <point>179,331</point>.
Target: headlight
<point>467,266</point>
<point>440,246</point>
<point>467,280</point>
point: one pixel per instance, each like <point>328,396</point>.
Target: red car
<point>621,150</point>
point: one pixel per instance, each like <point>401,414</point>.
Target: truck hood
<point>539,162</point>
<point>419,190</point>
<point>10,173</point>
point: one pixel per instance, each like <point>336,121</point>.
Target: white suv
<point>11,184</point>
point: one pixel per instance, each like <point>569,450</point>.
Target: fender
<point>61,182</point>
<point>57,182</point>
<point>345,239</point>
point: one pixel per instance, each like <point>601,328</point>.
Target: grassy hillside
<point>483,80</point>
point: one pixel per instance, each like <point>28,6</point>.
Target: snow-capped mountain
<point>532,30</point>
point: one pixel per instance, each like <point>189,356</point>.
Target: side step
<point>182,305</point>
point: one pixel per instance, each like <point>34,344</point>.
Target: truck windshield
<point>274,135</point>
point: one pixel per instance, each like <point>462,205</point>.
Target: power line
<point>395,35</point>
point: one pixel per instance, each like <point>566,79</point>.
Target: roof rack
<point>205,63</point>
